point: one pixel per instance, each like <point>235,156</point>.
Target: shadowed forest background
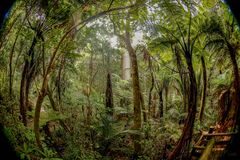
<point>111,79</point>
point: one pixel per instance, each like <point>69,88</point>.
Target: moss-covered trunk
<point>144,110</point>
<point>40,98</point>
<point>51,99</point>
<point>136,93</point>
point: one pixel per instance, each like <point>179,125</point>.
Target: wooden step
<point>221,140</point>
<point>217,142</point>
<point>200,149</point>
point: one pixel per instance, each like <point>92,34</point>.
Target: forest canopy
<point>112,79</point>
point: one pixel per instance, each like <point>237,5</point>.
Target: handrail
<point>219,134</point>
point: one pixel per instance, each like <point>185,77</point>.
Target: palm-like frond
<point>161,42</point>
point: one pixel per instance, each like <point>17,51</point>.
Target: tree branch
<point>110,4</point>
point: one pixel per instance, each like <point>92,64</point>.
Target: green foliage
<point>77,78</point>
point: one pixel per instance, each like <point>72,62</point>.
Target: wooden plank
<point>219,134</point>
<point>217,142</point>
<point>203,147</point>
<point>200,140</point>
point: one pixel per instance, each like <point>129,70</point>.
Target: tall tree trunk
<point>50,96</point>
<point>136,93</point>
<point>154,104</point>
<point>185,94</point>
<point>126,74</point>
<point>181,151</point>
<point>235,140</point>
<point>40,98</point>
<point>23,96</point>
<point>29,80</point>
<point>25,82</point>
<point>166,97</point>
<point>59,80</point>
<point>150,94</point>
<point>160,93</point>
<point>203,98</point>
<point>180,67</point>
<point>89,89</point>
<point>109,95</point>
<point>236,97</point>
<point>143,109</point>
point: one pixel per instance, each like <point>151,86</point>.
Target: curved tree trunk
<point>50,96</point>
<point>40,98</point>
<point>203,98</point>
<point>181,150</point>
<point>236,85</point>
<point>235,140</point>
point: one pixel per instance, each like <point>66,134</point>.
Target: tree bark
<point>154,104</point>
<point>143,109</point>
<point>136,93</point>
<point>50,96</point>
<point>40,98</point>
<point>235,101</point>
<point>160,93</point>
<point>182,77</point>
<point>235,140</point>
<point>59,80</point>
<point>26,81</point>
<point>150,94</point>
<point>203,98</point>
<point>166,97</point>
<point>109,95</point>
<point>23,96</point>
<point>126,75</point>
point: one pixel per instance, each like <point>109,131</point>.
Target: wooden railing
<point>221,140</point>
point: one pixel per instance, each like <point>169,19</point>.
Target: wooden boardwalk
<point>215,142</point>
